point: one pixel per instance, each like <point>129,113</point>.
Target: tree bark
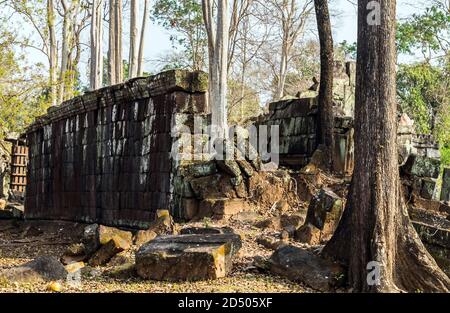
<point>115,61</point>
<point>218,40</point>
<point>376,225</point>
<point>96,70</point>
<point>325,131</point>
<point>134,50</point>
<point>53,53</point>
<point>140,70</point>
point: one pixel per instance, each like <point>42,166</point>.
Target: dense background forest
<point>273,52</point>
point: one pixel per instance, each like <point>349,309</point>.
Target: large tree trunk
<point>134,51</point>
<point>375,225</point>
<point>218,37</point>
<point>325,131</point>
<point>53,53</point>
<point>118,43</point>
<point>140,70</point>
<point>115,62</point>
<point>96,71</point>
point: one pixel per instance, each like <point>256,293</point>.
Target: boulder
<point>206,257</point>
<point>300,265</point>
<point>43,268</point>
<point>12,211</point>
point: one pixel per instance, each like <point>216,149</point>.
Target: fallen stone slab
<point>300,265</point>
<point>95,236</point>
<point>187,257</point>
<point>43,268</point>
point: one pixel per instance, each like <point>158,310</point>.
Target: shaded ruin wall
<point>105,156</point>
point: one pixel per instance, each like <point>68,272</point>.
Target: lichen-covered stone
<point>422,166</point>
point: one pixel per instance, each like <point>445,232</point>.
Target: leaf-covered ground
<point>21,242</point>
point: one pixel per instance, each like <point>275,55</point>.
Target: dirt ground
<point>22,241</point>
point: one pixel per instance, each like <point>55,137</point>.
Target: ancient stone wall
<point>106,156</point>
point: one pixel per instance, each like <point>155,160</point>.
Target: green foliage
<point>23,93</point>
<point>423,87</point>
<point>184,20</point>
<point>348,50</point>
<point>427,32</point>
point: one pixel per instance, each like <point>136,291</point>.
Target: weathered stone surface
<point>206,256</point>
<point>324,213</point>
<point>203,169</point>
<point>143,236</point>
<point>422,166</point>
<point>270,242</point>
<point>45,268</point>
<point>428,188</point>
<point>163,225</point>
<point>106,234</point>
<point>215,186</point>
<point>103,255</point>
<point>299,265</point>
<point>231,167</point>
<point>309,234</point>
<point>120,259</point>
<point>222,208</point>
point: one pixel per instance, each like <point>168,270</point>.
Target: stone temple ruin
<point>107,157</point>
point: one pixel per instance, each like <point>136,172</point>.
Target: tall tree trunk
<point>218,37</point>
<point>140,70</point>
<point>53,53</point>
<point>118,43</point>
<point>66,77</point>
<point>376,226</point>
<point>112,75</point>
<point>282,72</point>
<point>96,71</point>
<point>134,50</point>
<point>325,131</point>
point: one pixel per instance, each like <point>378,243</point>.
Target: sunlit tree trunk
<point>325,131</point>
<point>134,50</point>
<point>140,70</point>
<point>96,70</point>
<point>376,231</point>
<point>218,40</point>
<point>53,52</point>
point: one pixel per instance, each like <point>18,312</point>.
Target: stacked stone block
<point>106,156</point>
<point>297,121</point>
